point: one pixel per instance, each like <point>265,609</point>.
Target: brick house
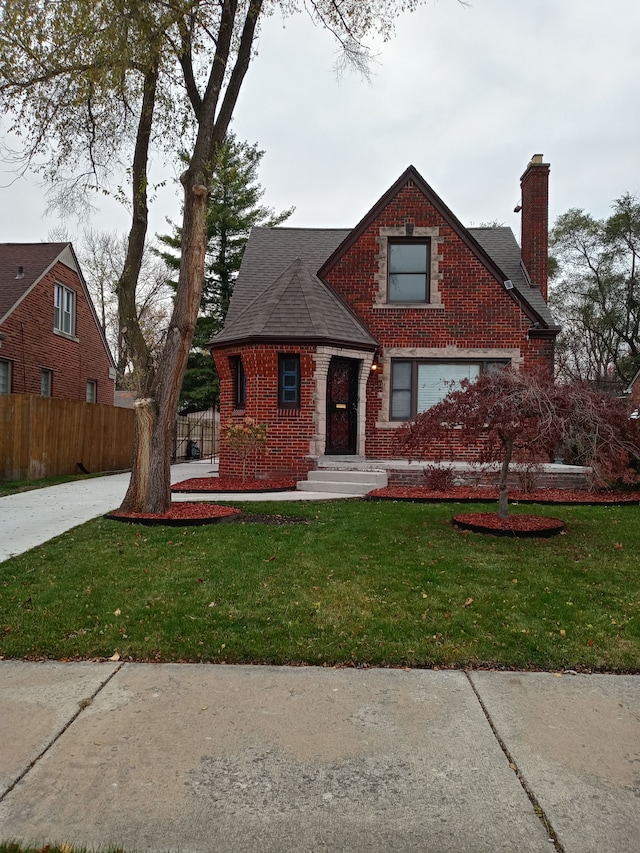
<point>336,337</point>
<point>51,343</point>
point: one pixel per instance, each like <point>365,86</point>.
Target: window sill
<point>420,306</point>
<point>288,413</point>
<point>68,337</point>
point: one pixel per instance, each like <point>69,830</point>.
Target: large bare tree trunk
<point>150,486</point>
<point>135,347</point>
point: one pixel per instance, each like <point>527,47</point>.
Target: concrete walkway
<point>186,757</point>
<point>31,518</point>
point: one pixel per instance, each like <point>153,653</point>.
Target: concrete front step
<point>343,482</point>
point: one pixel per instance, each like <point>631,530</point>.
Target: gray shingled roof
<point>34,258</point>
<point>297,306</point>
<point>501,245</point>
<point>254,313</point>
<point>270,251</point>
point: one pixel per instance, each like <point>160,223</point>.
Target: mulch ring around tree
<point>184,514</point>
<point>180,514</point>
<point>233,484</point>
<point>521,526</point>
<point>489,494</point>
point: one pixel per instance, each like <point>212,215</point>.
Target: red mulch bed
<point>233,484</point>
<point>516,525</point>
<point>489,493</point>
<point>180,514</point>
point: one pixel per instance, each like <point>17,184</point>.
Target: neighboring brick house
<point>334,338</point>
<point>51,343</point>
<point>633,393</point>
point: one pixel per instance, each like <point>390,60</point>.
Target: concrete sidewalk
<point>30,518</point>
<point>224,758</point>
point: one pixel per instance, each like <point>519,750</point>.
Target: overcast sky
<point>466,95</point>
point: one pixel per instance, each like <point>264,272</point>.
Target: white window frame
<point>92,391</point>
<point>46,382</point>
<point>5,376</point>
<point>64,310</point>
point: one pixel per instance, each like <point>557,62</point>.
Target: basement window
<point>5,376</point>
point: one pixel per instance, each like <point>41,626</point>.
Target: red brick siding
<point>478,312</point>
<point>31,345</point>
<point>289,430</point>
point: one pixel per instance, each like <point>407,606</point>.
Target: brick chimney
<point>534,237</point>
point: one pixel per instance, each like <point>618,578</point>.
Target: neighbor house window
<point>5,376</point>
<point>289,381</point>
<point>46,382</point>
<point>92,391</point>
<point>418,385</point>
<point>408,271</point>
<point>239,383</point>
<point>64,310</point>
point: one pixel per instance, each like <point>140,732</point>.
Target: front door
<point>342,406</point>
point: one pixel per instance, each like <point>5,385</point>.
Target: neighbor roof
<point>35,259</point>
<point>23,265</point>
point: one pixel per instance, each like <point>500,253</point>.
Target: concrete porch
<point>358,475</point>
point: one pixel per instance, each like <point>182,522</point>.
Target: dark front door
<point>342,406</point>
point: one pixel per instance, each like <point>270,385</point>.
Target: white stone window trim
<point>448,353</point>
<point>435,276</point>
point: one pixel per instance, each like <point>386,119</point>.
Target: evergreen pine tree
<point>234,209</point>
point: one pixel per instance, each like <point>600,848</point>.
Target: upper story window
<point>64,310</point>
<point>5,376</point>
<point>289,381</point>
<point>92,391</point>
<point>239,383</point>
<point>408,270</point>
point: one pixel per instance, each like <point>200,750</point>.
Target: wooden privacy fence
<point>45,437</point>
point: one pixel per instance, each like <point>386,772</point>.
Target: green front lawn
<point>361,583</point>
